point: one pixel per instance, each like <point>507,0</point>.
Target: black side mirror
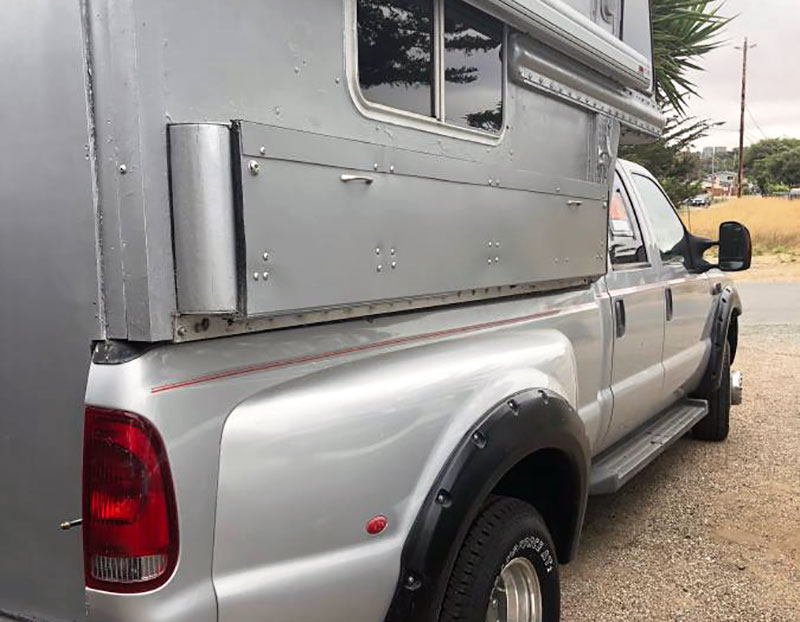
<point>735,247</point>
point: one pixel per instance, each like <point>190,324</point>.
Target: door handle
<point>670,307</point>
<point>619,317</point>
<point>362,178</point>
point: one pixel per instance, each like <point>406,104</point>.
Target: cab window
<point>626,245</point>
<point>667,225</point>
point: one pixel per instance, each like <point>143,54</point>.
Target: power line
<point>750,112</point>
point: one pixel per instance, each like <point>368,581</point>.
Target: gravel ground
<point>709,531</point>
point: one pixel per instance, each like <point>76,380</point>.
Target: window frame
<point>629,205</point>
<point>397,116</point>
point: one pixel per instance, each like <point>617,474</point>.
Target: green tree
<point>683,32</point>
<point>773,162</point>
<point>669,158</point>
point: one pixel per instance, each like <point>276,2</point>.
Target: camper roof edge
<point>562,27</point>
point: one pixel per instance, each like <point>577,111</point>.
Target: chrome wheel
<point>517,595</point>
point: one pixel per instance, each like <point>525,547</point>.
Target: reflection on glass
<point>473,68</point>
<point>667,226</point>
<point>395,53</point>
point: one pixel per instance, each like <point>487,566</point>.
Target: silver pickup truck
<point>334,311</point>
<point>424,464</point>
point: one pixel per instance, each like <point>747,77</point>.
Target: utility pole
<point>744,49</point>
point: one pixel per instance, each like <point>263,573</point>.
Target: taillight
<point>130,528</point>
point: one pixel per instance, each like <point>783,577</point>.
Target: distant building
<point>721,184</point>
<point>724,179</point>
<point>712,152</point>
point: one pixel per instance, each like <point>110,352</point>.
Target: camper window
<point>442,59</point>
<point>395,53</point>
<point>473,68</point>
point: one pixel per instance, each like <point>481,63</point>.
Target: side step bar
<point>616,466</point>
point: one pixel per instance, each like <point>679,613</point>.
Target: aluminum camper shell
<point>322,184</point>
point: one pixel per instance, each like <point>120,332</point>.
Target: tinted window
<point>627,246</point>
<point>667,226</point>
<point>473,68</point>
<point>395,53</point>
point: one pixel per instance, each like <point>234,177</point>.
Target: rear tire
<point>716,424</point>
<point>507,563</point>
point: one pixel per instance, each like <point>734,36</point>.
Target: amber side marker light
<point>130,525</point>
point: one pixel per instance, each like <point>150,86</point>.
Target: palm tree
<point>683,32</point>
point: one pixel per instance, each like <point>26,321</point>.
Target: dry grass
<point>774,223</point>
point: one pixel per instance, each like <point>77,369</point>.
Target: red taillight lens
<point>130,529</point>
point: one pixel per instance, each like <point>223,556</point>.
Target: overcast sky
<point>773,74</point>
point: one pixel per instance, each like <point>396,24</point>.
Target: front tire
<point>506,570</point>
<point>716,424</point>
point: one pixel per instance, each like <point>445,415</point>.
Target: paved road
<point>769,303</point>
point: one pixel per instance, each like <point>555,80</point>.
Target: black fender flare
<point>514,429</point>
<point>729,306</point>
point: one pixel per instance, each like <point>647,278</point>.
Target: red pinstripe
<point>386,343</point>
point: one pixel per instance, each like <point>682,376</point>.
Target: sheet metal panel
<point>48,305</point>
<point>126,43</point>
<point>407,226</point>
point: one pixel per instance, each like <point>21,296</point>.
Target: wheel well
<point>548,481</point>
<point>733,333</point>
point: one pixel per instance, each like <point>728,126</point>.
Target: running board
<point>617,466</point>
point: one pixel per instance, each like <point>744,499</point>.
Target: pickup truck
<point>424,465</point>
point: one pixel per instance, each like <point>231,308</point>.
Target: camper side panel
<point>48,305</point>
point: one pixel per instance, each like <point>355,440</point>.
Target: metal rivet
<point>391,168</point>
<point>544,396</point>
<point>490,261</point>
<point>491,244</point>
<point>265,276</point>
<point>265,256</point>
<point>377,251</point>
<point>479,440</point>
<point>181,331</point>
<point>497,260</point>
<point>262,150</point>
<point>256,276</point>
<point>497,244</point>
<point>444,499</point>
<point>254,167</point>
<point>338,80</point>
<point>380,267</point>
<point>558,189</point>
<point>490,182</point>
<point>375,166</point>
<point>123,169</point>
<point>394,265</point>
<point>512,404</point>
<point>393,251</point>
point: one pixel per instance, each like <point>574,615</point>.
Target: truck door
<point>687,297</point>
<point>637,295</point>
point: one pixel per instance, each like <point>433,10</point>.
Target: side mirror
<point>735,247</point>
